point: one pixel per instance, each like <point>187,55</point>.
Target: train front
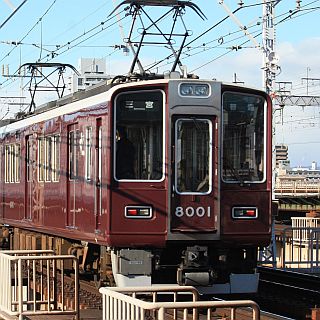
<point>191,184</point>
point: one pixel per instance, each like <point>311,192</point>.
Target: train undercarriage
<point>209,268</point>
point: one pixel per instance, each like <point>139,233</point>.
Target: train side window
<point>41,159</point>
<point>28,159</point>
<point>7,162</point>
<point>88,153</point>
<point>55,165</point>
<point>48,158</point>
<point>73,154</point>
<point>12,163</point>
<point>17,164</point>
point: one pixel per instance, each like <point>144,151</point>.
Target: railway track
<point>290,294</point>
<point>89,296</point>
<point>287,294</point>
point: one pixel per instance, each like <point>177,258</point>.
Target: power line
<point>13,13</point>
<point>39,20</point>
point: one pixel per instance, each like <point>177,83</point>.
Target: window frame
<point>210,167</point>
<point>12,163</point>
<point>163,135</point>
<point>88,153</point>
<point>264,158</point>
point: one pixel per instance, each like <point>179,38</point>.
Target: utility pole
<point>270,58</point>
<point>307,79</point>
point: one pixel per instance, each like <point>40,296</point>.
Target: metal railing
<point>32,283</point>
<point>138,303</point>
<point>300,249</point>
<point>303,227</point>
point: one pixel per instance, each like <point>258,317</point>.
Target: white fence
<point>302,229</point>
<point>137,303</point>
<point>32,283</point>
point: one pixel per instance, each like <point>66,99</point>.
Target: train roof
<point>94,95</point>
<point>97,94</point>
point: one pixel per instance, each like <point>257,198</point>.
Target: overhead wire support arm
<point>292,100</point>
<point>177,60</point>
<point>35,85</point>
<point>238,22</point>
<point>136,59</point>
<point>151,28</point>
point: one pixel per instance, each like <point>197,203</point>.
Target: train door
<point>98,175</point>
<point>193,167</point>
<point>30,176</point>
<point>73,174</point>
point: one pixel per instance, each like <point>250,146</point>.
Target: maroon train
<point>156,181</point>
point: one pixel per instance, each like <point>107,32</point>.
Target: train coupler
<point>194,269</point>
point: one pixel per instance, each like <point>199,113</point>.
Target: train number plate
<point>191,212</point>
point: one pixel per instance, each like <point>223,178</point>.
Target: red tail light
<point>138,212</point>
<point>244,212</point>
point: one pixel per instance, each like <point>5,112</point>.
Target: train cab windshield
<point>139,136</point>
<point>244,140</point>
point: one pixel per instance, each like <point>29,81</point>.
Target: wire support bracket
<point>44,81</point>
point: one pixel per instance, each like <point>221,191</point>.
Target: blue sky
<point>70,29</point>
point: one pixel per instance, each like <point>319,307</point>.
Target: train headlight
<point>194,90</point>
<point>244,212</point>
<point>138,212</point>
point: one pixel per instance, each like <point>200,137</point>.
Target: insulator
<point>298,4</point>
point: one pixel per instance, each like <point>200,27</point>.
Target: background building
<point>92,71</point>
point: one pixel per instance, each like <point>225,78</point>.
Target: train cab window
<point>139,136</point>
<point>244,137</point>
<point>193,154</point>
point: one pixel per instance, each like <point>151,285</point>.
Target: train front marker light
<point>138,212</point>
<point>244,212</point>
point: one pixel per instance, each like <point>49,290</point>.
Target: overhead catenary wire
<point>59,51</point>
<point>30,30</point>
<point>68,46</point>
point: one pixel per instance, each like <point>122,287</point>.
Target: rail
<point>125,304</point>
<point>32,284</point>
